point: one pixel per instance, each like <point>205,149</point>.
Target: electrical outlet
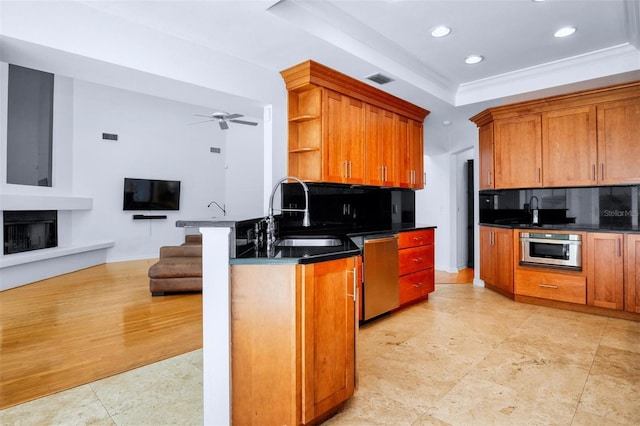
<point>215,150</point>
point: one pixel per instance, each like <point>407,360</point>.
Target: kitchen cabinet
<point>518,152</point>
<point>632,273</point>
<point>485,148</point>
<point>579,139</point>
<point>605,275</point>
<point>334,122</point>
<point>292,340</point>
<point>605,269</point>
<point>497,259</point>
<point>381,163</point>
<point>416,265</point>
<point>547,284</point>
<point>414,159</point>
<point>344,138</point>
<point>618,146</point>
<point>569,147</point>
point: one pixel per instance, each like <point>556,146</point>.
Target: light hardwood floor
<point>76,328</point>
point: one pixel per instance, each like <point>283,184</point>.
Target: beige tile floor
<point>466,357</point>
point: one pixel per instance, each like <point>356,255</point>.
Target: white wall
<point>156,141</point>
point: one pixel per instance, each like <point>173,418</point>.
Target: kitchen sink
<point>309,241</point>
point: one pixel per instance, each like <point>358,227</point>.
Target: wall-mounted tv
<point>151,194</point>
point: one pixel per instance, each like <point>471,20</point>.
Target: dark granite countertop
<point>569,227</point>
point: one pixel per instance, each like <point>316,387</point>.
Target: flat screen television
<point>151,194</point>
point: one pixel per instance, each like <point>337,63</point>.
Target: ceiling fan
<point>224,118</point>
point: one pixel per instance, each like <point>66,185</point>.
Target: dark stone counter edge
<point>338,254</point>
<point>565,227</point>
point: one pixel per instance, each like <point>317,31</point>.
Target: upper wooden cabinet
<point>581,139</point>
<point>569,150</point>
<point>517,152</point>
<point>342,130</point>
<point>485,147</point>
<point>619,142</point>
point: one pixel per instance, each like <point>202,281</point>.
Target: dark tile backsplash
<point>605,206</point>
<point>347,207</point>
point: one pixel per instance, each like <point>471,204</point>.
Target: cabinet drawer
<point>549,285</point>
<point>416,286</point>
<point>415,259</point>
<point>415,238</point>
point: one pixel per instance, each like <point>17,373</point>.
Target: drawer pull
<point>418,285</point>
<point>417,238</point>
<point>548,286</point>
<point>417,259</point>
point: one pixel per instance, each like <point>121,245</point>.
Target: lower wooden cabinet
<point>416,265</point>
<point>292,340</point>
<point>605,270</point>
<point>550,285</point>
<point>632,273</point>
<point>496,258</point>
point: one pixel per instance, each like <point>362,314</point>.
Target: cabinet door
<point>618,142</point>
<point>605,268</point>
<point>487,255</point>
<point>343,138</point>
<point>632,273</point>
<point>503,239</point>
<point>415,149</point>
<point>334,166</point>
<point>518,152</point>
<point>329,324</point>
<point>485,145</point>
<point>379,151</point>
<point>496,257</point>
<point>569,154</point>
<point>401,130</point>
<point>352,138</point>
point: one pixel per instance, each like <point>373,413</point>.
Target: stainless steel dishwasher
<point>380,288</point>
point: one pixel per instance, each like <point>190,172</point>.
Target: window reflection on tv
<point>151,194</point>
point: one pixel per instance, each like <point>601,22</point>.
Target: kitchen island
<point>279,339</point>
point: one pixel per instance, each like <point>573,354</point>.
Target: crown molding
<point>605,62</point>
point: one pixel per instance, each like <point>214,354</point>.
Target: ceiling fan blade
<point>223,125</point>
<point>202,115</point>
<point>199,122</point>
<point>232,116</point>
<point>250,123</point>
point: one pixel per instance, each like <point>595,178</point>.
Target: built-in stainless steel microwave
<point>551,249</point>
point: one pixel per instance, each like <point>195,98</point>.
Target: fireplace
<point>30,230</point>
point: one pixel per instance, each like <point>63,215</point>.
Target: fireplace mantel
<point>44,202</point>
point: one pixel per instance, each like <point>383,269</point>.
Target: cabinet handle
<point>601,171</point>
<point>489,178</point>
<point>417,238</point>
<point>354,271</point>
<point>548,286</point>
<point>593,172</point>
<point>417,259</point>
<point>619,248</point>
<point>350,174</point>
<point>539,175</point>
<point>416,285</point>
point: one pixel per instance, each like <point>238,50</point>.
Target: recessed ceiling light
<point>440,31</point>
<point>564,32</point>
<point>446,123</point>
<point>473,59</point>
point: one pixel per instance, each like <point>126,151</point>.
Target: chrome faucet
<point>306,221</point>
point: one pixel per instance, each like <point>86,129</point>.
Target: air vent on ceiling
<point>379,78</point>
